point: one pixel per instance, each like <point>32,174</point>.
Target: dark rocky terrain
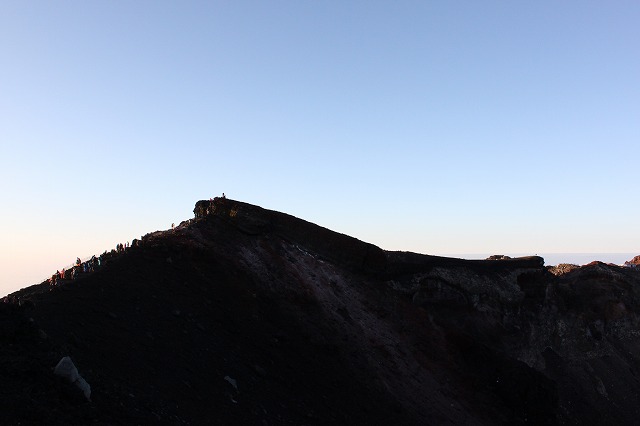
<point>250,316</point>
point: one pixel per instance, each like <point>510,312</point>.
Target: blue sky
<point>429,126</point>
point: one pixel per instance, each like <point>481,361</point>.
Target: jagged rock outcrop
<point>249,316</point>
<point>633,263</point>
<point>562,268</point>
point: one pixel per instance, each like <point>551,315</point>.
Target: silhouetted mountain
<point>250,316</point>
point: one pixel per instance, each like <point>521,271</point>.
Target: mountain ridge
<point>245,315</point>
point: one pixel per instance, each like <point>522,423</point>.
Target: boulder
<point>67,370</point>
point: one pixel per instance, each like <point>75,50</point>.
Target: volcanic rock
<point>635,262</point>
<point>562,268</point>
<point>264,318</point>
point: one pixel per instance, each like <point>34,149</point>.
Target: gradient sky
<point>429,126</point>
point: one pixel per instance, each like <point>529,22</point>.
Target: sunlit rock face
<point>243,315</point>
<point>633,263</point>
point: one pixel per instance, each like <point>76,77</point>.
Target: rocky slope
<point>250,316</point>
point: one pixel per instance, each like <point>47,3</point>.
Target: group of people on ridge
<point>91,265</point>
<point>95,263</point>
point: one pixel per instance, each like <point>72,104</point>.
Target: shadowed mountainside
<point>251,316</point>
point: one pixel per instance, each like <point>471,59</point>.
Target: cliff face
<point>249,316</point>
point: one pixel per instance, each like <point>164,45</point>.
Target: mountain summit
<point>244,315</point>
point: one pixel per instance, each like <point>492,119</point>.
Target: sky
<point>438,127</point>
